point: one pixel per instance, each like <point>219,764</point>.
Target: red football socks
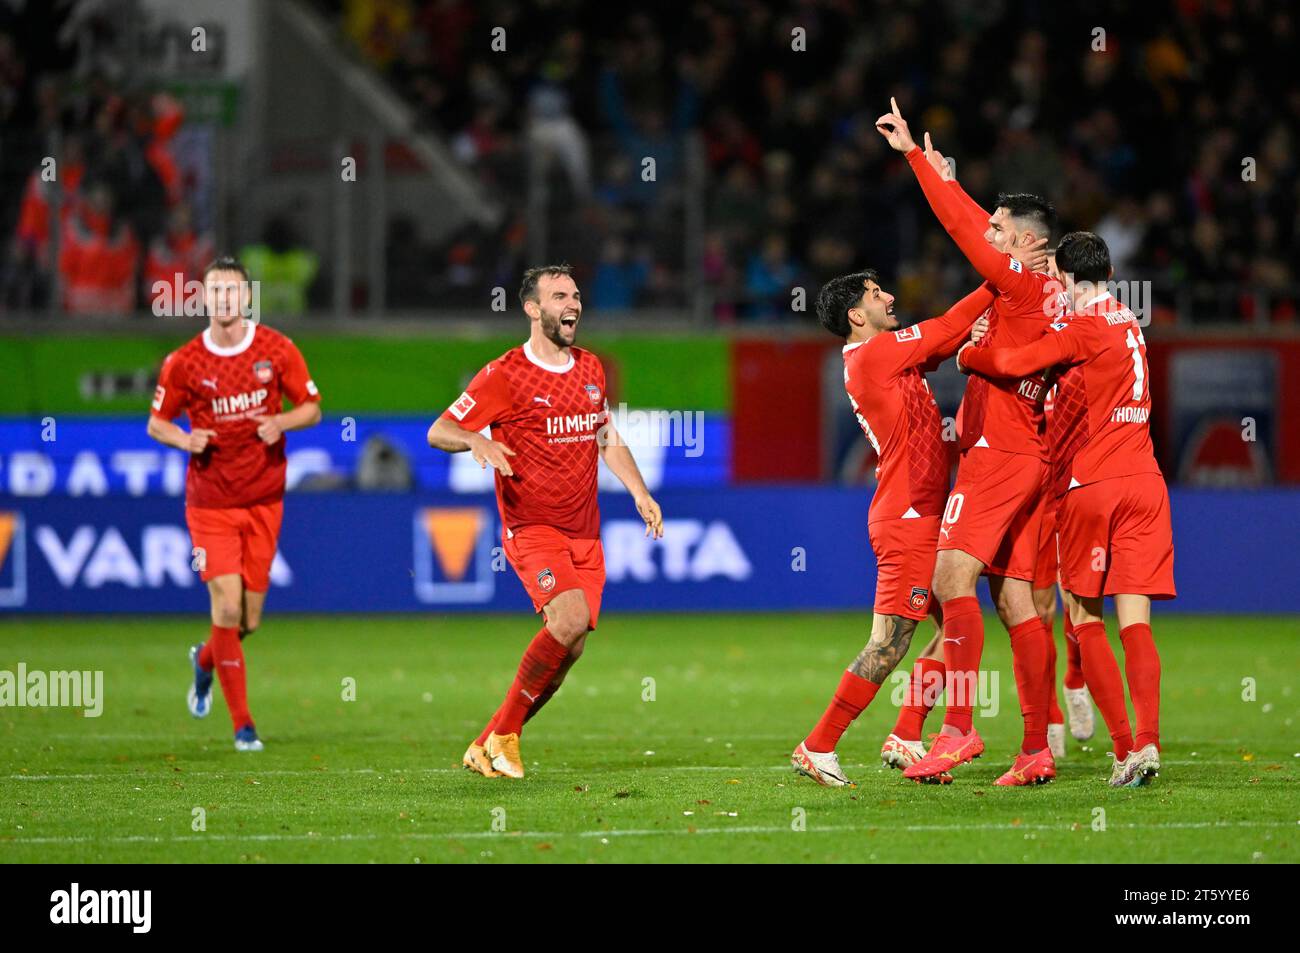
<point>853,695</point>
<point>963,646</point>
<point>1142,669</point>
<point>205,656</point>
<point>541,661</point>
<point>1104,682</point>
<point>536,706</point>
<point>228,659</point>
<point>1029,644</point>
<point>922,692</point>
<point>1054,714</point>
<point>1073,664</point>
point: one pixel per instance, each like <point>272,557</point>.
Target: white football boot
<point>1056,741</point>
<point>1078,703</point>
<point>900,754</point>
<point>822,767</point>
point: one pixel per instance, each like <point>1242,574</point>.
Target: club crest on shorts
<point>546,580</point>
<point>919,598</point>
<point>593,392</point>
<point>263,371</point>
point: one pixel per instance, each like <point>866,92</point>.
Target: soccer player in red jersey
<point>1116,537</point>
<point>231,381</point>
<point>884,375</point>
<point>1046,583</point>
<point>546,404</point>
<point>993,517</point>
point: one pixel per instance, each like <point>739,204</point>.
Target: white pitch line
<point>648,832</point>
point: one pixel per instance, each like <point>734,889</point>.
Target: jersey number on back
<point>1139,366</point>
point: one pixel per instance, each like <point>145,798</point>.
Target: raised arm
<point>948,207</point>
<point>946,169</point>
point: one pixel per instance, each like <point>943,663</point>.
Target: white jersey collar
<point>237,348</point>
<point>553,368</point>
<point>1093,300</point>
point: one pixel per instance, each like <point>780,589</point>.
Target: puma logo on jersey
<point>944,530</point>
<point>209,382</point>
<point>543,400</point>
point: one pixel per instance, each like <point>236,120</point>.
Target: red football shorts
<point>548,563</point>
<point>995,510</point>
<point>1116,537</point>
<point>904,564</point>
<point>236,540</point>
<point>1045,569</point>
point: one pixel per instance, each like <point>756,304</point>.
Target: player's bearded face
<point>559,319</point>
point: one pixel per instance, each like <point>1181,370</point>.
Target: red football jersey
<point>1005,414</point>
<point>549,416</point>
<point>230,390</point>
<point>885,381</point>
<point>1101,419</point>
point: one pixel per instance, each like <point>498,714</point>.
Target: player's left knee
<point>569,623</point>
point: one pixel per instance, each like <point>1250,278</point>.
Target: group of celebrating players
<point>1076,488</point>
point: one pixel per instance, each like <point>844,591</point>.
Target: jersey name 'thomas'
<point>1099,428</point>
<point>231,390</point>
<point>550,416</point>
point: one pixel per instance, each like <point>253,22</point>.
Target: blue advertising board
<point>97,456</point>
<point>768,548</point>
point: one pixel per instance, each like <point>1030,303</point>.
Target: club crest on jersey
<point>263,371</point>
<point>909,334</point>
<point>919,598</point>
<point>545,580</point>
<point>593,392</point>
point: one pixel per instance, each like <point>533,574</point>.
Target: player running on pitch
<point>884,375</point>
<point>1115,532</point>
<point>991,524</point>
<point>549,414</point>
<point>231,381</point>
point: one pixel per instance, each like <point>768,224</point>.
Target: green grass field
<point>699,774</point>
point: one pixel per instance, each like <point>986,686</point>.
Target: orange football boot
<point>947,752</point>
<point>1036,768</point>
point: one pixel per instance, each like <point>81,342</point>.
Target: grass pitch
<point>698,774</point>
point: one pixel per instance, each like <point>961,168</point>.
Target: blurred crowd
<point>100,205</point>
<point>713,153</point>
<point>1168,127</point>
